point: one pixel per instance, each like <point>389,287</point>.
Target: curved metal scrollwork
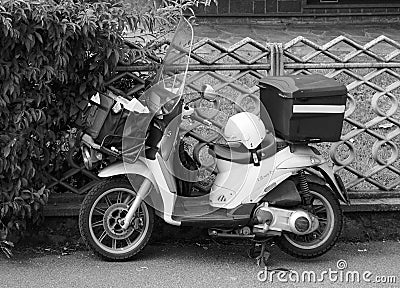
<point>367,155</point>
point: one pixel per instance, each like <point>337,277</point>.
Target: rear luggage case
<point>304,108</point>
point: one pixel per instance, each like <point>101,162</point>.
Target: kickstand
<point>263,256</point>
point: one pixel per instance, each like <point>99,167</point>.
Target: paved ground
<point>198,265</point>
<point>319,33</point>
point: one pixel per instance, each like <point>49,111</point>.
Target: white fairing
<point>238,184</point>
<point>245,128</point>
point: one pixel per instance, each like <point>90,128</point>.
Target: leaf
<point>6,151</point>
<point>3,212</point>
<point>39,37</point>
<point>28,210</point>
<point>26,196</point>
<point>82,88</point>
<point>24,181</point>
<point>93,66</point>
<point>41,190</point>
<point>101,80</point>
<point>36,206</point>
<point>17,187</point>
<point>18,199</point>
<point>6,196</point>
<point>105,68</point>
<point>24,154</point>
<point>109,51</point>
<point>116,55</point>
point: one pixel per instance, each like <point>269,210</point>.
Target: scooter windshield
<point>163,96</point>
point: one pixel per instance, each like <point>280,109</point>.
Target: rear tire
<point>101,209</point>
<point>324,238</point>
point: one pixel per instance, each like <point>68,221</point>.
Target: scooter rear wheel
<point>330,216</point>
<point>99,221</point>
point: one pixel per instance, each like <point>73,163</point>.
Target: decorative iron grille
<point>367,155</point>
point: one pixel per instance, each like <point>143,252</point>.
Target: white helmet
<point>246,128</point>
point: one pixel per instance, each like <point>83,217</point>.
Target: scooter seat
<point>240,154</point>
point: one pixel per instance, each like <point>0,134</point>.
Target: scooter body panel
<point>238,184</point>
<point>235,185</point>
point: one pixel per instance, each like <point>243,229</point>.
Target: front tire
<point>99,224</point>
<point>317,243</point>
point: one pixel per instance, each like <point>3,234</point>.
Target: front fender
<point>136,168</point>
<point>122,168</point>
<point>119,168</point>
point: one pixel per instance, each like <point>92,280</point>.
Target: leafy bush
<point>52,55</point>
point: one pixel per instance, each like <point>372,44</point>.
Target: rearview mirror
<point>208,93</point>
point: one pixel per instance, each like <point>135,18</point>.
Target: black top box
<point>304,108</point>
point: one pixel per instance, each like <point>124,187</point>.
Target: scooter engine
<point>272,220</point>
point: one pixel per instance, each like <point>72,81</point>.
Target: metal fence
<point>367,155</point>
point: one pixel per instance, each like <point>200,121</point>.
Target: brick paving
<point>320,33</point>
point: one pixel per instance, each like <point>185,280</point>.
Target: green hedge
<point>53,54</point>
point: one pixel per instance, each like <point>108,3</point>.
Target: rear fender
<point>302,156</point>
<point>299,156</point>
<point>334,181</point>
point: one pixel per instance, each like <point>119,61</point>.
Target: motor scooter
<point>270,183</point>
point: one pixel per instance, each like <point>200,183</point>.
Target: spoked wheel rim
<point>105,221</point>
<point>323,210</point>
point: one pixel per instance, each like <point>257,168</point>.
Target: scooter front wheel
<point>100,217</point>
<point>327,209</point>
